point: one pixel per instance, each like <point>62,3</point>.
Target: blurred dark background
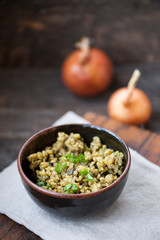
<point>41,33</point>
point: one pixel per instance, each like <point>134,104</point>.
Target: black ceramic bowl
<point>72,204</point>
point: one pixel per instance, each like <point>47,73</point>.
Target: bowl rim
<point>72,196</point>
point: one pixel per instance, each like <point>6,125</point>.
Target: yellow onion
<point>129,104</point>
<point>87,71</point>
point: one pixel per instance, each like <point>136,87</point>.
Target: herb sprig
<point>74,159</point>
<point>42,184</point>
<point>88,174</point>
<point>70,188</point>
<point>60,167</point>
<point>115,153</point>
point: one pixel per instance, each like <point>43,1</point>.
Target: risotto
<point>70,166</point>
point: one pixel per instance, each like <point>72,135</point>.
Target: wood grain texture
<point>33,99</point>
<point>10,230</point>
<point>42,33</point>
<point>145,142</point>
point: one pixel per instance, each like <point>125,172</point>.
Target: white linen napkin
<point>135,215</point>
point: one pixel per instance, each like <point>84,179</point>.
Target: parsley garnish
<point>84,172</point>
<point>89,175</point>
<point>60,167</point>
<point>70,188</point>
<point>82,158</point>
<point>41,184</point>
<point>74,159</point>
<point>74,188</point>
<point>115,154</point>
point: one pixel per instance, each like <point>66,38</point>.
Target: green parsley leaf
<point>68,186</point>
<point>64,165</point>
<point>74,188</point>
<point>84,172</point>
<point>90,175</point>
<point>74,159</point>
<point>41,184</point>
<point>82,158</point>
<point>49,186</point>
<point>68,156</point>
<point>115,154</point>
<point>60,167</point>
<point>68,191</point>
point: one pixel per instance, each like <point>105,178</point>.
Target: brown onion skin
<point>90,78</point>
<point>138,110</point>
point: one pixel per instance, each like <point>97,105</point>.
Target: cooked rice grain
<point>103,165</point>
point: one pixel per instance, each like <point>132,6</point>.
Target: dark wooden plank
<point>145,142</point>
<point>151,148</point>
<point>41,33</point>
<point>10,230</point>
<point>5,225</point>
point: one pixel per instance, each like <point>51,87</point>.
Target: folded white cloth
<point>135,215</point>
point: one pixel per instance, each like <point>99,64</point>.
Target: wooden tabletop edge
<point>142,140</point>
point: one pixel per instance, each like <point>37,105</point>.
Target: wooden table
<point>43,33</point>
<point>33,99</point>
